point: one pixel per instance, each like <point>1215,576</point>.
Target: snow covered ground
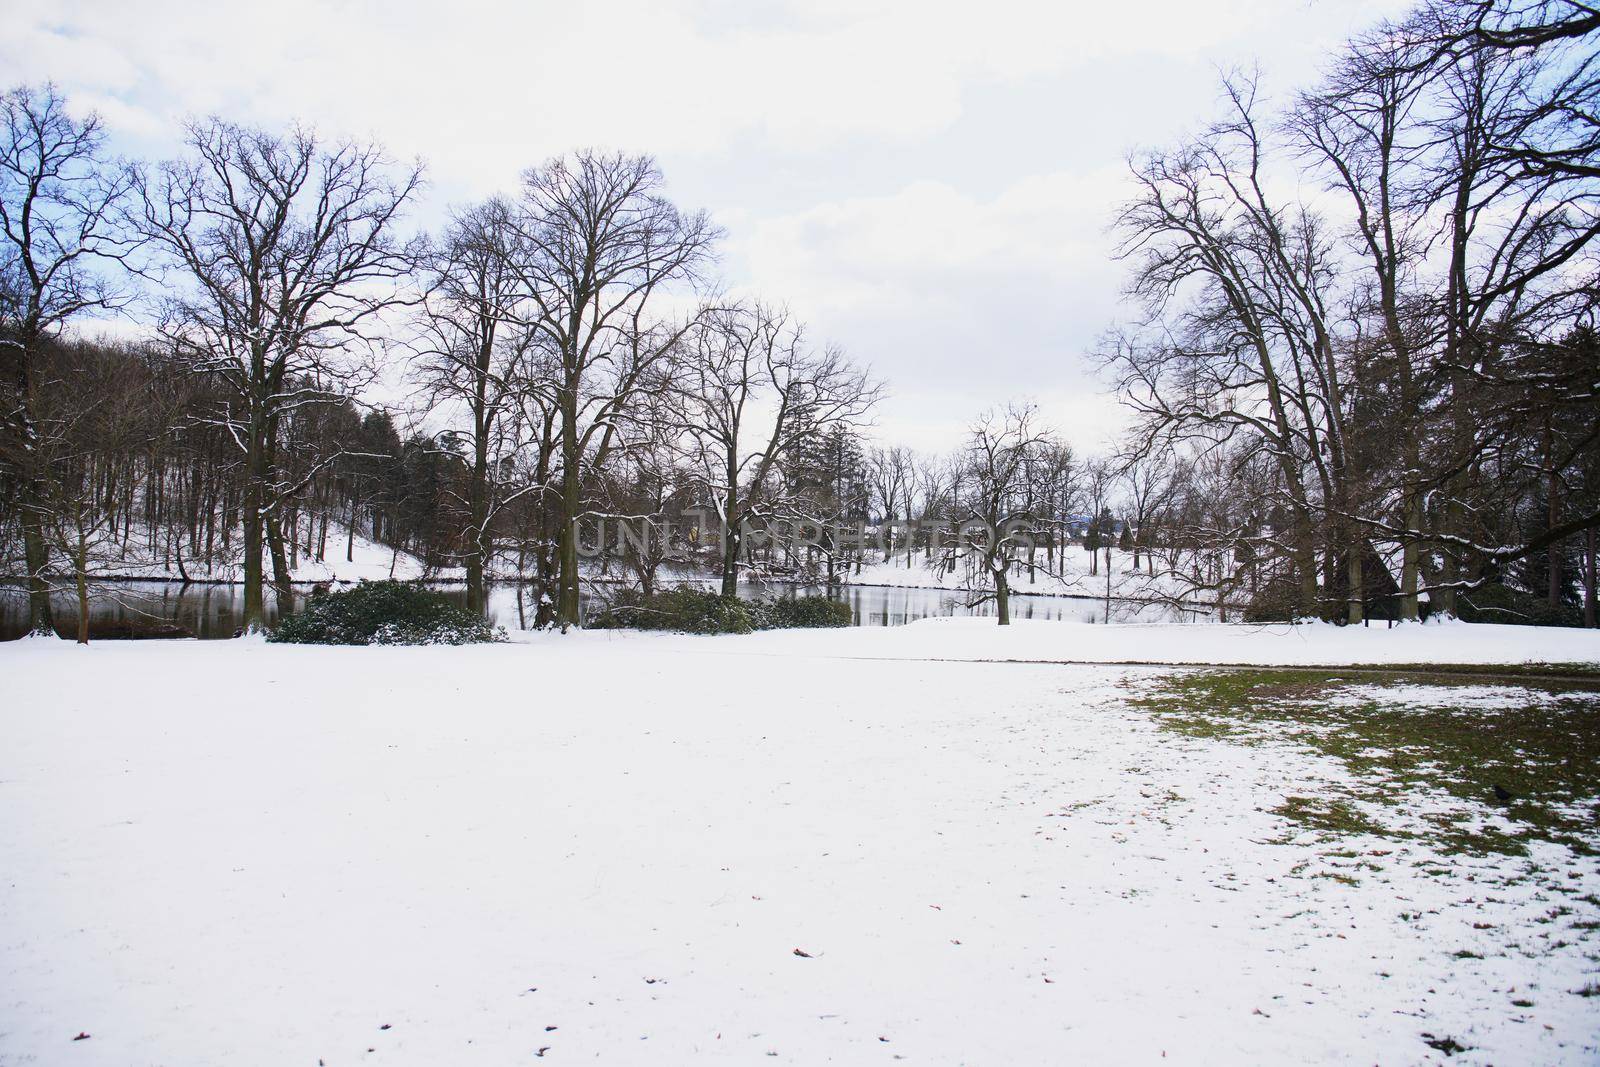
<point>1053,641</point>
<point>787,847</point>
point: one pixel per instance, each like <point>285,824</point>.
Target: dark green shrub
<point>384,613</point>
<point>688,609</point>
<point>1501,603</point>
<point>694,610</point>
<point>805,611</point>
<point>1274,601</point>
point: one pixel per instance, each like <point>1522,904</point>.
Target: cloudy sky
<point>927,184</point>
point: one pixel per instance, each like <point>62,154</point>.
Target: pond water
<point>214,611</point>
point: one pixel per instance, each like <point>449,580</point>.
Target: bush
<point>384,613</point>
<point>687,608</point>
<point>1501,603</point>
<point>691,609</point>
<point>1274,601</point>
<point>805,612</point>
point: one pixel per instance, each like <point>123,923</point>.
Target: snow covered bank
<point>368,559</point>
<point>609,850</point>
<point>1175,643</point>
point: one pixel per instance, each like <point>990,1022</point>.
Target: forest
<point>1358,359</point>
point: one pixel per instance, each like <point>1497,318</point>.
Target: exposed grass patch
<point>1544,755</point>
<point>1536,673</point>
<point>1334,816</point>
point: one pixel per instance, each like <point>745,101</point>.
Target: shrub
<point>1274,601</point>
<point>691,609</point>
<point>384,613</point>
<point>1501,603</point>
<point>687,608</point>
<point>805,611</point>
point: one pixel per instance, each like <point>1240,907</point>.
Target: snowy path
<point>242,853</point>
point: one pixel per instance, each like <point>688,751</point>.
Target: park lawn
<point>647,849</point>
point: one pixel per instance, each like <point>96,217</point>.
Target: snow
<point>1306,644</point>
<point>610,846</point>
<point>368,559</point>
<point>1460,697</point>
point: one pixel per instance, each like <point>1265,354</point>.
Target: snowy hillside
<point>368,559</point>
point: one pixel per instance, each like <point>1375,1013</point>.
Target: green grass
<point>1546,753</point>
<point>1532,672</point>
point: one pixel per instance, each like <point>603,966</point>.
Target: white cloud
<point>962,302</point>
<point>486,88</point>
<point>927,182</point>
<point>865,251</point>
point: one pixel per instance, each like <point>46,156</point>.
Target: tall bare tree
<point>282,252</point>
<point>473,353</point>
<point>605,247</point>
<point>59,196</point>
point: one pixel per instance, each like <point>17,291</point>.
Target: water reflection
<point>215,611</point>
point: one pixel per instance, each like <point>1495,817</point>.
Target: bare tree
<point>96,411</point>
<point>749,391</point>
<point>1147,487</point>
<point>58,201</point>
<point>894,485</point>
<point>472,352</point>
<point>997,521</point>
<point>1363,129</point>
<point>604,248</point>
<point>285,252</point>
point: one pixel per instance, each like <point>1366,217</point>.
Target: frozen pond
<point>211,611</point>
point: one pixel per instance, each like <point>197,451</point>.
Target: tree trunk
<point>1304,556</point>
<point>1108,586</point>
<point>251,512</point>
<point>282,579</point>
<point>730,560</point>
<point>82,576</point>
<point>567,579</point>
<point>1589,579</point>
<point>477,523</point>
<point>1355,612</point>
<point>1409,559</point>
<point>1002,596</point>
<point>1553,553</point>
<point>355,518</point>
<point>36,555</point>
<point>1444,599</point>
<point>31,499</point>
<point>478,510</point>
